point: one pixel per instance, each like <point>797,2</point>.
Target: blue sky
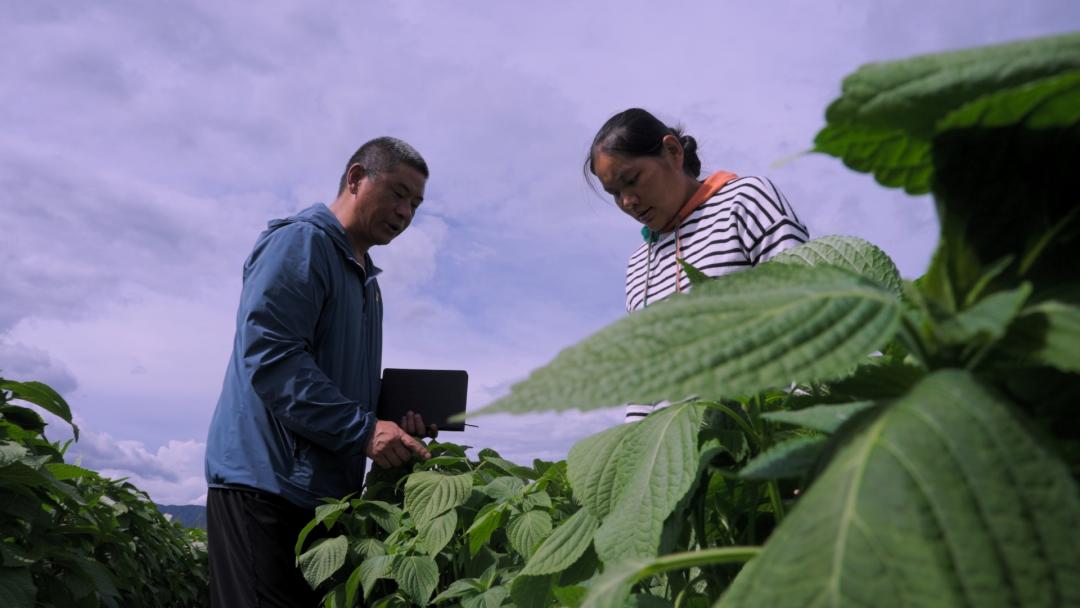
<point>144,145</point>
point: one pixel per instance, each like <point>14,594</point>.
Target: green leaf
<point>896,159</point>
<point>738,334</point>
<point>507,467</point>
<point>323,560</point>
<point>536,499</point>
<point>384,514</point>
<point>565,545</point>
<point>17,588</point>
<point>632,476</point>
<point>848,252</point>
<point>792,458</point>
<point>696,276</point>
<point>367,547</point>
<point>436,533</point>
<point>612,588</point>
<point>64,471</point>
<point>987,320</point>
<point>492,598</point>
<point>458,588</point>
<point>877,380</point>
<point>352,585</point>
<point>503,488</point>
<point>889,112</point>
<point>824,418</point>
<point>11,452</point>
<point>41,395</point>
<point>374,568</point>
<point>1048,333</point>
<point>321,513</point>
<point>532,591</point>
<point>527,530</point>
<point>429,494</point>
<point>941,498</point>
<point>572,596</point>
<point>484,526</point>
<point>1040,104</point>
<point>417,576</point>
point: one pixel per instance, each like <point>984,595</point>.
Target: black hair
<point>636,132</point>
<point>382,154</point>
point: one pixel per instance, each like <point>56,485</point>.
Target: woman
<point>721,224</point>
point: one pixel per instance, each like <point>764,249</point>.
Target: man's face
<point>385,205</point>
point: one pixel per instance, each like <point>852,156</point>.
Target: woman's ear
<point>673,149</point>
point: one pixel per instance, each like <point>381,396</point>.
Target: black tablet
<point>435,394</point>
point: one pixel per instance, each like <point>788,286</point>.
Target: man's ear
<point>355,174</point>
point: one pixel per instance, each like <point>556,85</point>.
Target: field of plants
<point>839,436</point>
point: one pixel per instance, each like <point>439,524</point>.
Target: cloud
<point>24,363</point>
<point>171,474</point>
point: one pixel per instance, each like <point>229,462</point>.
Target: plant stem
<point>774,497</point>
<point>691,559</point>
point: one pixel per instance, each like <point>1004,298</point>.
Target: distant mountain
<point>189,516</point>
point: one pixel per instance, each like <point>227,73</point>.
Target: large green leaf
<point>792,458</point>
<point>324,559</point>
<point>738,334</point>
<point>987,320</point>
<point>885,119</point>
<point>1048,333</point>
<point>429,494</point>
<point>417,576</point>
<point>824,418</point>
<point>1045,103</point>
<point>565,545</point>
<point>16,588</point>
<point>527,530</point>
<point>532,591</point>
<point>437,532</point>
<point>322,512</point>
<point>492,598</point>
<point>484,526</point>
<point>374,568</point>
<point>42,395</point>
<point>857,255</point>
<point>633,483</point>
<point>941,498</point>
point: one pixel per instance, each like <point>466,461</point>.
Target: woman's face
<point>650,189</point>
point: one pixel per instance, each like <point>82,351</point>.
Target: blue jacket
<point>298,401</point>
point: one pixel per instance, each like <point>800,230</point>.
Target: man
<point>296,417</point>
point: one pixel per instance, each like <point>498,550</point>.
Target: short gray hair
<point>382,154</point>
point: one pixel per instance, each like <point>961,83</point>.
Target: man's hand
<point>413,424</point>
<point>391,446</point>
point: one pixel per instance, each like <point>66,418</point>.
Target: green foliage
<point>939,498</point>
<point>889,114</point>
<point>69,537</point>
<point>929,453</point>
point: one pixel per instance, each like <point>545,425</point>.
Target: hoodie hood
<point>320,216</point>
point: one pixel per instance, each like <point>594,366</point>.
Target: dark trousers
<point>251,540</point>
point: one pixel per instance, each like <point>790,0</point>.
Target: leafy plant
<point>935,438</point>
<point>69,537</point>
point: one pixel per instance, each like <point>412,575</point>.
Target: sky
<point>144,145</point>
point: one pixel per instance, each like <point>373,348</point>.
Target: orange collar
<point>709,187</point>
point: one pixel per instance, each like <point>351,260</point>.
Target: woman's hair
<point>636,132</point>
